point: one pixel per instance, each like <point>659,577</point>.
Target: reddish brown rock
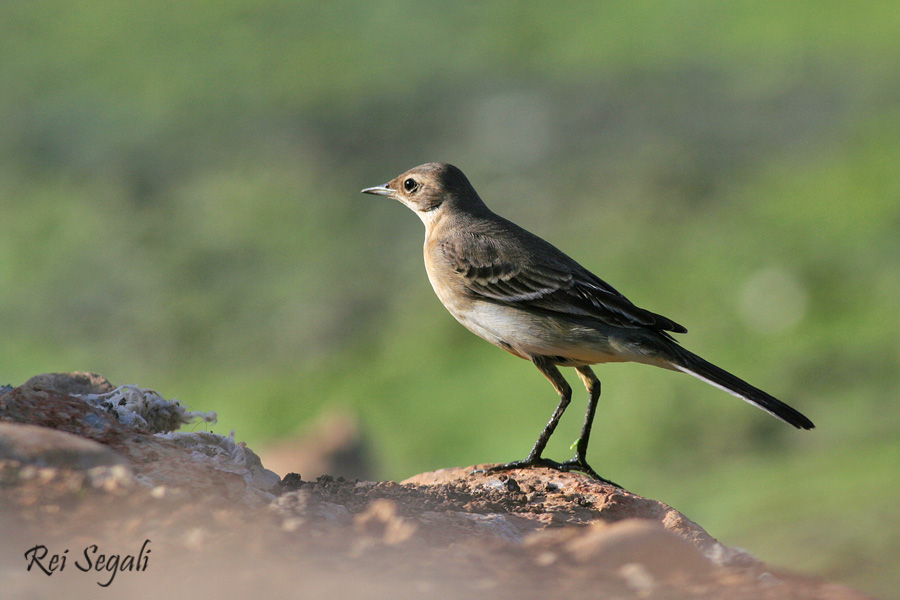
<point>549,497</point>
<point>73,476</point>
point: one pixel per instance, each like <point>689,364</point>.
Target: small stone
<point>638,578</point>
<point>70,384</point>
<point>381,520</point>
<point>292,524</point>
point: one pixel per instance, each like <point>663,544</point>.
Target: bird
<point>524,295</point>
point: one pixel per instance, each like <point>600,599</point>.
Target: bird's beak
<point>379,190</point>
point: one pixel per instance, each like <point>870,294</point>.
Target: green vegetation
<point>181,209</point>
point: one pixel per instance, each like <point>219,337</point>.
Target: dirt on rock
<point>197,515</point>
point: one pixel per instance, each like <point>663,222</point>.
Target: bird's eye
<point>410,186</point>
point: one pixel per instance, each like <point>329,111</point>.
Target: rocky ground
<point>101,495</point>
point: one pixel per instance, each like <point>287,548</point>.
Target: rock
<point>49,408</point>
<point>196,463</point>
<point>43,447</point>
<point>660,552</point>
<point>382,520</point>
<point>572,499</point>
<point>70,384</point>
<point>74,476</point>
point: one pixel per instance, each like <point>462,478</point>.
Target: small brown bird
<point>521,293</point>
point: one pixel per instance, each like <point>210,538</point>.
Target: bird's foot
<point>573,464</point>
<point>526,463</point>
<point>578,463</point>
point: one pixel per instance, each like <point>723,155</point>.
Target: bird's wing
<point>547,281</point>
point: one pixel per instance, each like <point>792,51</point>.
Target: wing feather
<point>546,281</point>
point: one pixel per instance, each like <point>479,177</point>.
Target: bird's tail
<point>690,363</point>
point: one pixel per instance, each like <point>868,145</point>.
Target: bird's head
<point>429,189</point>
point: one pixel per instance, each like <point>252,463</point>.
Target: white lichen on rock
<point>146,409</point>
<point>227,455</point>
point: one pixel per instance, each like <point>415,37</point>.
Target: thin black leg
<point>562,387</point>
<point>579,463</point>
<point>592,384</point>
<point>565,396</point>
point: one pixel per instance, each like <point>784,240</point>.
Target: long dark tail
<point>690,363</point>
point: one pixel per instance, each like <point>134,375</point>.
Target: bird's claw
<point>580,464</point>
<point>573,464</point>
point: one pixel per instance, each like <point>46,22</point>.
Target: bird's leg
<point>580,463</point>
<point>562,387</point>
<point>592,384</point>
<point>564,390</point>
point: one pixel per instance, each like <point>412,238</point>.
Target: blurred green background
<point>181,210</point>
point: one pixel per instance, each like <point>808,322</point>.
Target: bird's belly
<point>528,334</point>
